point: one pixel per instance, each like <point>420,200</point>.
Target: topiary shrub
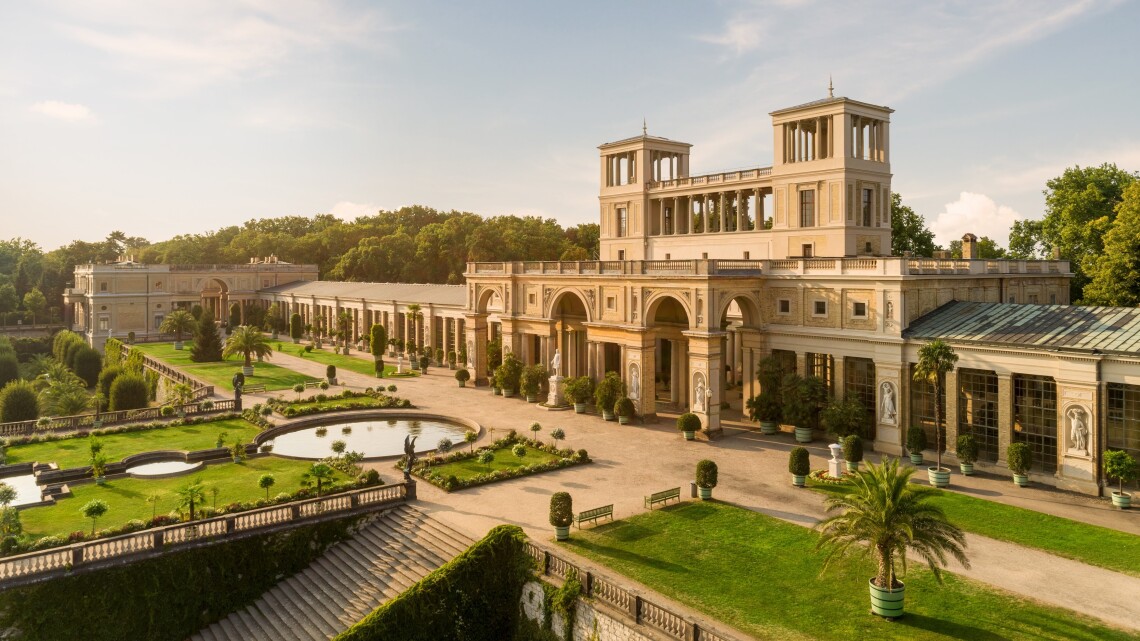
<point>19,402</point>
<point>799,461</point>
<point>9,368</point>
<point>462,375</point>
<point>706,474</point>
<point>87,365</point>
<point>1019,458</point>
<point>689,422</point>
<point>128,392</point>
<point>967,449</point>
<point>561,509</point>
<point>624,407</point>
<point>1120,465</point>
<point>853,448</point>
<point>330,372</point>
<point>391,388</point>
<point>106,378</point>
<point>915,440</point>
<point>608,391</point>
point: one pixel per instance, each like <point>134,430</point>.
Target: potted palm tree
<point>706,478</point>
<point>178,322</point>
<point>607,393</point>
<point>766,408</point>
<point>689,424</point>
<point>1019,458</point>
<point>967,451</point>
<point>915,443</point>
<point>799,465</point>
<point>462,375</point>
<point>247,341</point>
<point>935,360</point>
<point>1120,465</point>
<point>885,516</point>
<point>853,451</point>
<point>99,468</point>
<point>561,514</point>
<point>624,409</point>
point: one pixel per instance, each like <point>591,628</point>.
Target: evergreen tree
<point>207,344</point>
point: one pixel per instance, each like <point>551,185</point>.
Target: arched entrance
<point>668,320</point>
<point>215,298</point>
<point>741,322</point>
<point>569,316</point>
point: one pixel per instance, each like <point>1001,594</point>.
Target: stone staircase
<point>348,582</point>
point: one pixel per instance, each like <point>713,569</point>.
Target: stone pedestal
<point>555,398</point>
<point>835,465</point>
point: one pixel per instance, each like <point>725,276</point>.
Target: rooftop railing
<point>718,178</point>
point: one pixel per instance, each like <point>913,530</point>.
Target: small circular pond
<point>162,468</point>
<point>374,438</point>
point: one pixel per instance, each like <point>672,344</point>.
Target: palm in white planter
<point>249,342</point>
<point>935,360</point>
<point>178,322</point>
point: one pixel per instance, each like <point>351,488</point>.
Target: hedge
<point>475,597</point>
<point>87,364</point>
<point>170,597</point>
<point>9,368</point>
<point>129,392</point>
<point>19,402</point>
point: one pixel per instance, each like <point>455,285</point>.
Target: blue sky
<point>162,118</point>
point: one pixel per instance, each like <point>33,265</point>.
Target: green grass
<point>76,452</point>
<point>338,402</point>
<point>341,361</point>
<point>762,575</point>
<point>504,460</point>
<point>219,374</point>
<point>1092,544</point>
<point>126,497</point>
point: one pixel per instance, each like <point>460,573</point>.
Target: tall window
<point>867,197</point>
<point>922,407</point>
<point>807,208</point>
<point>977,410</point>
<point>859,383</point>
<point>668,220</point>
<point>821,366</point>
<point>623,222</point>
<point>1035,418</point>
<point>1122,422</point>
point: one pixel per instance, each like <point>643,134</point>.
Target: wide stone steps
<point>347,582</point>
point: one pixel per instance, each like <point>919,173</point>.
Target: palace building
<point>700,276</point>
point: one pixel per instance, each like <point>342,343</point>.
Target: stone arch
<point>667,303</point>
<point>746,302</point>
<point>483,296</point>
<point>559,299</point>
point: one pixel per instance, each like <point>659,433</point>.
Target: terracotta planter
<point>689,436</point>
<point>769,427</point>
<point>799,480</point>
<point>1021,480</point>
<point>1122,500</point>
<point>579,408</point>
<point>704,492</point>
<point>803,435</point>
<point>561,533</point>
<point>887,602</point>
<point>916,459</point>
<point>938,476</point>
<point>967,469</point>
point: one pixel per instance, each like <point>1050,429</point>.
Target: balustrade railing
<point>107,419</point>
<point>712,179</point>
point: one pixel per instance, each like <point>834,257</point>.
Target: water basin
<point>162,468</point>
<point>27,492</point>
<point>374,438</point>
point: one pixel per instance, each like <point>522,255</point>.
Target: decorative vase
<point>938,476</point>
<point>769,427</point>
<point>579,408</point>
<point>689,436</point>
<point>967,469</point>
<point>887,602</point>
<point>561,533</point>
<point>704,492</point>
<point>916,459</point>
<point>799,480</point>
<point>607,415</point>
<point>803,435</point>
<point>1122,500</point>
<point>1020,480</point>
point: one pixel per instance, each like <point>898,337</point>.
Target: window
<point>668,220</point>
<point>859,310</point>
<point>668,256</point>
<point>704,255</point>
<point>532,298</point>
<point>819,308</point>
<point>922,407</point>
<point>746,255</point>
<point>868,195</point>
<point>1035,418</point>
<point>807,208</point>
<point>104,322</point>
<point>859,383</point>
<point>1012,298</point>
<point>103,286</point>
<point>977,410</point>
<point>157,320</point>
<point>784,306</point>
<point>623,222</point>
<point>265,282</point>
<point>158,284</point>
<point>611,302</point>
<point>821,366</point>
<point>621,254</point>
<point>806,250</point>
<point>1052,299</point>
<point>1122,424</point>
<point>1033,299</point>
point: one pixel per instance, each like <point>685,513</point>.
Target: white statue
<point>699,394</point>
<point>887,409</point>
<point>634,383</point>
<point>470,355</point>
<point>556,362</point>
<point>1078,429</point>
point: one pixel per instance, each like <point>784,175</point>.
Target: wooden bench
<point>663,496</point>
<point>312,384</point>
<point>253,388</point>
<point>595,514</point>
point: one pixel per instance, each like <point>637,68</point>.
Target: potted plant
<point>462,375</point>
<point>689,424</point>
<point>799,464</point>
<point>706,478</point>
<point>451,359</point>
<point>330,374</point>
<point>803,398</point>
<point>624,409</point>
<point>607,393</point>
<point>845,417</point>
<point>1120,465</point>
<point>915,443</point>
<point>531,381</point>
<point>1019,458</point>
<point>296,328</point>
<point>885,516</point>
<point>439,357</point>
<point>853,451</point>
<point>561,514</point>
<point>99,468</point>
<point>508,374</point>
<point>237,451</point>
<point>424,362</point>
<point>935,360</point>
<point>578,390</point>
<point>766,408</point>
<point>967,450</point>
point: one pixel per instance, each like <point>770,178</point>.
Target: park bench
<point>311,384</point>
<point>249,389</point>
<point>663,496</point>
<point>595,514</point>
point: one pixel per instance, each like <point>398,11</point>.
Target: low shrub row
<point>48,437</point>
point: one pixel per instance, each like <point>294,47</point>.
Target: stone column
<point>477,340</point>
<point>950,412</point>
<point>838,373</point>
<point>643,359</point>
<point>1005,415</point>
<point>706,375</point>
<point>675,372</point>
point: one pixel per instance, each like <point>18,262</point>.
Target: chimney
<point>969,247</point>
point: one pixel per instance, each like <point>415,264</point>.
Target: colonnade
<point>737,210</point>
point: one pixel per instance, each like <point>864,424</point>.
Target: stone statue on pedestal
<point>410,456</point>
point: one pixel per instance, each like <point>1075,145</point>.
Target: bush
<point>765,407</point>
<point>519,450</point>
<point>1120,465</point>
<point>106,378</point>
<point>1019,458</point>
<point>689,422</point>
<point>706,474</point>
<point>799,461</point>
<point>296,328</point>
<point>624,407</point>
<point>391,388</point>
<point>853,448</point>
<point>462,375</point>
<point>582,455</point>
<point>607,393</point>
<point>531,379</point>
<point>915,440</point>
<point>561,509</point>
<point>19,402</point>
<point>128,392</point>
<point>845,417</point>
<point>578,389</point>
<point>166,411</point>
<point>967,449</point>
<point>9,368</point>
<point>323,385</point>
<point>330,372</point>
<point>308,349</point>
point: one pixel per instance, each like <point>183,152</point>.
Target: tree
<point>469,437</point>
<point>94,509</point>
<point>9,368</point>
<point>87,363</point>
<point>265,482</point>
<point>19,402</point>
<point>987,248</point>
<point>129,392</point>
<point>153,499</point>
<point>909,231</point>
<point>803,399</point>
<point>884,515</point>
<point>320,474</point>
<point>247,341</point>
<point>7,494</point>
<point>106,379</point>
<point>935,360</point>
<point>64,398</point>
<point>191,495</point>
<point>207,344</point>
<point>1026,240</point>
<point>1114,275</point>
<point>377,341</point>
<point>9,299</point>
<point>235,317</point>
<point>845,417</point>
<point>296,327</point>
<point>178,322</point>
<point>36,303</point>
<point>415,315</point>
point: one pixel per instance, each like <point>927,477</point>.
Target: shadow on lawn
<point>625,556</point>
<point>947,628</point>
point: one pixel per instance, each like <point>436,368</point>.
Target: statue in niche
<point>888,410</point>
<point>634,383</point>
<point>1078,429</point>
<point>470,354</point>
<point>700,399</point>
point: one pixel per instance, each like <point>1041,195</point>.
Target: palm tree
<point>191,495</point>
<point>64,397</point>
<point>319,473</point>
<point>266,481</point>
<point>344,323</point>
<point>247,341</point>
<point>178,322</point>
<point>885,515</point>
<point>415,315</point>
<point>935,360</point>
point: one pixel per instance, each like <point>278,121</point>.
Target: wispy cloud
<point>66,111</point>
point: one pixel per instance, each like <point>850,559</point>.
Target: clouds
<point>65,111</point>
<point>974,213</point>
<point>347,210</point>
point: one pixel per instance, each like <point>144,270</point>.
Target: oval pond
<point>373,438</point>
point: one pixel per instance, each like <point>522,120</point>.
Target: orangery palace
<point>702,275</point>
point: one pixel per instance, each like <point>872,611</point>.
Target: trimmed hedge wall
<point>167,598</point>
<point>475,597</point>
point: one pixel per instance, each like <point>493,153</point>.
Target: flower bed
<point>824,478</point>
<point>345,401</point>
<point>428,468</point>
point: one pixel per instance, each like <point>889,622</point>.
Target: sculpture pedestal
<point>835,465</point>
<point>555,398</point>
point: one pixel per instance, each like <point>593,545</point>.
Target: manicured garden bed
<point>464,469</point>
<point>347,400</point>
<point>340,361</point>
<point>762,575</point>
<point>219,374</point>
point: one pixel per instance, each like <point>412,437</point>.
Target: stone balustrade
<point>718,178</point>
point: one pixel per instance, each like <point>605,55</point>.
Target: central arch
<point>668,318</point>
<point>569,314</point>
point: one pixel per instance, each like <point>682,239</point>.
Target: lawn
<point>126,497</point>
<point>219,374</point>
<point>334,403</point>
<point>1092,544</point>
<point>76,452</point>
<point>324,357</point>
<point>504,460</point>
<point>762,575</point>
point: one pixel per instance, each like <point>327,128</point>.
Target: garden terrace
<point>220,373</point>
<point>340,361</point>
<point>87,421</point>
<point>467,471</point>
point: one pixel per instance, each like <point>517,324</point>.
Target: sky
<point>163,118</point>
